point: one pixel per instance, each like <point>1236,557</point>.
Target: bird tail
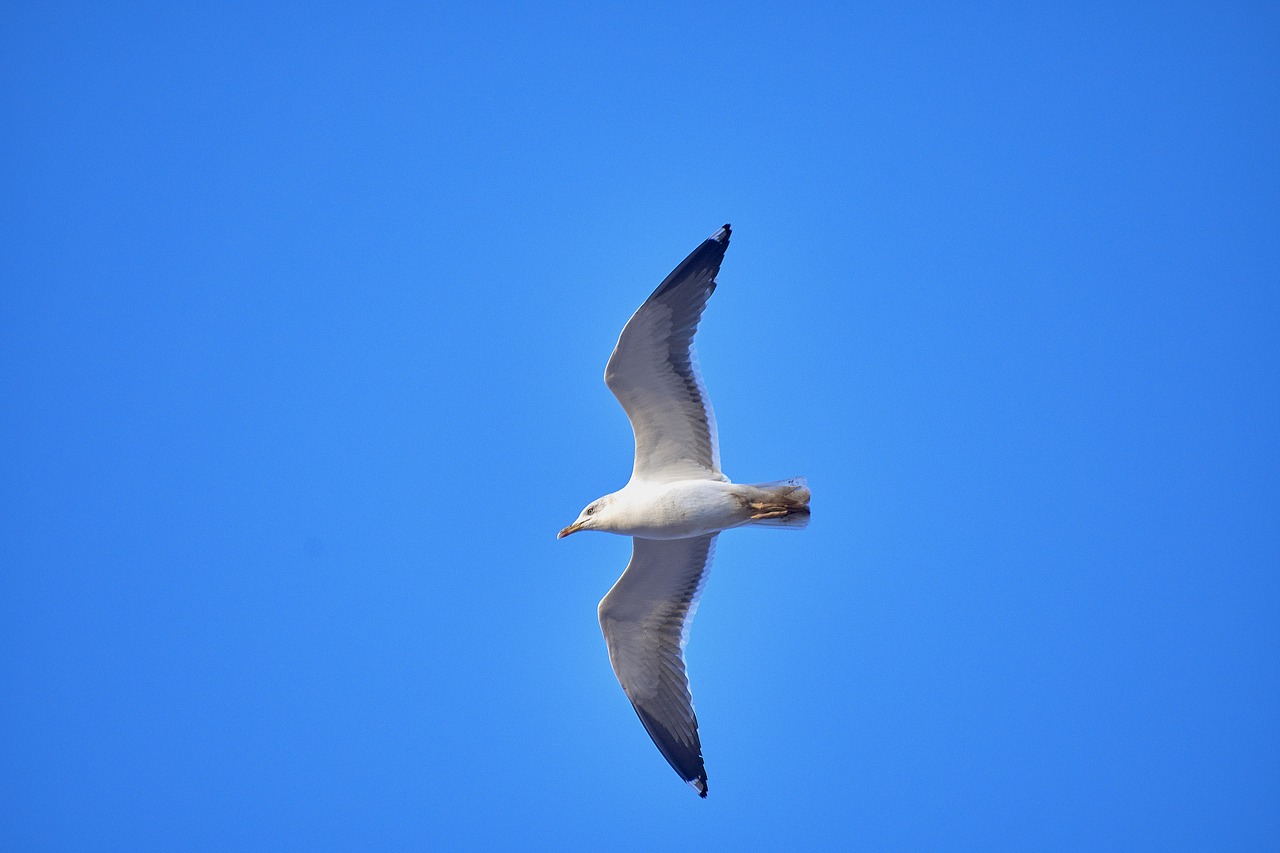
<point>784,503</point>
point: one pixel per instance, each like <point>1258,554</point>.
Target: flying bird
<point>674,506</point>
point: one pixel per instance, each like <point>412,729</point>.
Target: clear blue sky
<point>302,329</point>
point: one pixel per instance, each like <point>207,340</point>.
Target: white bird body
<point>683,509</point>
<point>677,510</point>
<point>676,503</point>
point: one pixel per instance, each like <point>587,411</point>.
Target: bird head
<point>594,517</point>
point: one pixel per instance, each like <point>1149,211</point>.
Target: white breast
<point>678,510</point>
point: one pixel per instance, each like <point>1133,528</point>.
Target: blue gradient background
<point>303,321</point>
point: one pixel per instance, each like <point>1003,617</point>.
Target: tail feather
<point>784,503</point>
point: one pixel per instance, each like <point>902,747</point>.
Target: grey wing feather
<point>654,373</point>
<point>645,619</point>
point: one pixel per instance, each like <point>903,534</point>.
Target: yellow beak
<point>572,528</point>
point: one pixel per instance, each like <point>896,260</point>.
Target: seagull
<point>674,506</point>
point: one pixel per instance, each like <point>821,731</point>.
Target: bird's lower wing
<point>645,619</point>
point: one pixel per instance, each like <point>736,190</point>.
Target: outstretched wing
<point>654,373</point>
<point>645,619</point>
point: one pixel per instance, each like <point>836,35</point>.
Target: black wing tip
<point>702,265</point>
<point>684,758</point>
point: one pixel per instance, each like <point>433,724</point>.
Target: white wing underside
<point>645,619</point>
<point>654,374</point>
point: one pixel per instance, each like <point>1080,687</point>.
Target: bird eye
<point>590,510</point>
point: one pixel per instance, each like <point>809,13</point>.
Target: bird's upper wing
<point>645,619</point>
<point>654,373</point>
